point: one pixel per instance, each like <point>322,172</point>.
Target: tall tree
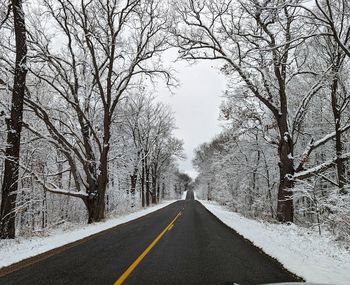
<point>107,45</point>
<point>14,126</point>
<point>258,42</point>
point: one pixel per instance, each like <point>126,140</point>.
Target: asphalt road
<point>190,195</point>
<point>196,248</point>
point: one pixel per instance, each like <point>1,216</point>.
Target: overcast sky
<point>195,104</point>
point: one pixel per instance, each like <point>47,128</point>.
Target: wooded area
<point>78,77</point>
<point>285,149</point>
<point>93,135</point>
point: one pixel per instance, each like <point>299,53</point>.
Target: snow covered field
<point>303,252</point>
<point>12,251</point>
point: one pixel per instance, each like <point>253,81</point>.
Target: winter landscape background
<point>91,93</point>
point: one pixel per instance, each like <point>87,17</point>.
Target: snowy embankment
<point>303,252</point>
<point>12,251</point>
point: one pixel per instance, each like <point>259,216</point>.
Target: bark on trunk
<point>96,209</point>
<point>338,136</point>
<point>154,189</point>
<point>143,183</point>
<point>163,190</point>
<point>154,175</point>
<point>339,152</point>
<point>11,172</point>
<point>158,192</point>
<point>95,203</point>
<point>133,181</point>
<point>148,190</point>
<point>285,209</point>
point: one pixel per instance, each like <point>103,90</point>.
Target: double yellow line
<point>146,251</point>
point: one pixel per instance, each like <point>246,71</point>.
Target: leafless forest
<point>82,136</point>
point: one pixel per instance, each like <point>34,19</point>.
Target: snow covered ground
<point>12,251</point>
<point>315,258</point>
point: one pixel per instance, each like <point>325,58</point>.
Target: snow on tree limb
<point>315,144</point>
<point>320,168</point>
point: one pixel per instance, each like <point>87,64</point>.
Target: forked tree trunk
<point>96,202</point>
<point>14,127</point>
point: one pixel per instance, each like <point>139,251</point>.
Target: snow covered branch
<point>320,168</point>
<point>315,144</point>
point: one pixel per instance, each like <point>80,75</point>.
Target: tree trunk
<point>154,184</point>
<point>209,194</point>
<point>338,139</point>
<point>163,190</point>
<point>14,127</point>
<point>154,189</point>
<point>96,209</point>
<point>285,209</point>
<point>158,191</point>
<point>143,184</point>
<point>44,211</point>
<point>339,152</point>
<point>133,182</point>
<point>148,190</point>
<point>95,203</point>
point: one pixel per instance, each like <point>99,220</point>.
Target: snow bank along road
<point>182,243</point>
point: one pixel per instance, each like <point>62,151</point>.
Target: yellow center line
<point>146,251</point>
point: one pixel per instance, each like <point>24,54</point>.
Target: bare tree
<point>107,44</point>
<point>331,19</point>
<point>14,124</point>
<point>165,149</point>
<point>258,42</point>
<point>334,16</point>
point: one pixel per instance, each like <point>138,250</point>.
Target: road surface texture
<point>182,243</point>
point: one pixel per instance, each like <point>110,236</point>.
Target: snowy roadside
<point>12,251</point>
<point>315,258</point>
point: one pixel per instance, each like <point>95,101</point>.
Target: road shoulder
<point>22,252</point>
<point>315,258</point>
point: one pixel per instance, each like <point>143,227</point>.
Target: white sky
<point>195,104</point>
